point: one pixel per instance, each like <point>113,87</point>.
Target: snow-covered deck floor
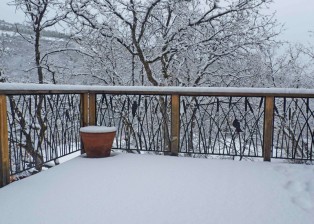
<point>128,188</point>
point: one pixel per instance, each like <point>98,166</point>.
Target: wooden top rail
<point>18,88</point>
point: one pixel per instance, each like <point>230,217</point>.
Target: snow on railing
<point>19,88</point>
<point>237,122</point>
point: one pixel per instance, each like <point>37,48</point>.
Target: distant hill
<point>17,56</point>
<point>6,26</point>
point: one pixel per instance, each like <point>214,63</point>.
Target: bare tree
<point>165,35</point>
<point>40,16</point>
<point>291,68</point>
<point>178,42</point>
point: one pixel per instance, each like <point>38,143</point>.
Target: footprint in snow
<point>303,201</point>
<point>281,169</point>
<point>295,186</point>
<point>302,193</point>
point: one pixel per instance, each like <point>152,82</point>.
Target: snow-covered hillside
<point>17,56</point>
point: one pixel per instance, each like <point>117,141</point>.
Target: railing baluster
<point>175,124</point>
<point>268,127</point>
<point>4,144</point>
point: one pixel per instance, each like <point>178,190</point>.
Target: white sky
<point>297,15</point>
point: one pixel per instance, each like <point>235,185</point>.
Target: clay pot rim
<point>97,129</point>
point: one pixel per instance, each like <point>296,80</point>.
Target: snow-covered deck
<point>128,188</point>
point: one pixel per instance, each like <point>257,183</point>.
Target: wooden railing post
<point>175,124</point>
<point>92,109</point>
<point>88,111</point>
<point>4,144</point>
<point>84,109</point>
<point>268,127</point>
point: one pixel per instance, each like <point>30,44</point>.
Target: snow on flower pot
<point>97,140</point>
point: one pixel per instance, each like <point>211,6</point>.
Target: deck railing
<point>40,123</point>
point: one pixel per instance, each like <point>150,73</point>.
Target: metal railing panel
<point>143,121</point>
<point>230,126</point>
<point>42,128</point>
<point>293,128</point>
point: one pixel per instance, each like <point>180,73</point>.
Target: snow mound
<point>98,129</point>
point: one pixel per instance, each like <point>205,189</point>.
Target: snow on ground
<point>128,188</point>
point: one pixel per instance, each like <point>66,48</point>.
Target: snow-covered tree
<point>41,15</point>
<point>178,42</point>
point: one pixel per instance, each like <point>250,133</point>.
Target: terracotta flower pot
<point>97,140</point>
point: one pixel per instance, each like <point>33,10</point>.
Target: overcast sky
<point>297,15</point>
